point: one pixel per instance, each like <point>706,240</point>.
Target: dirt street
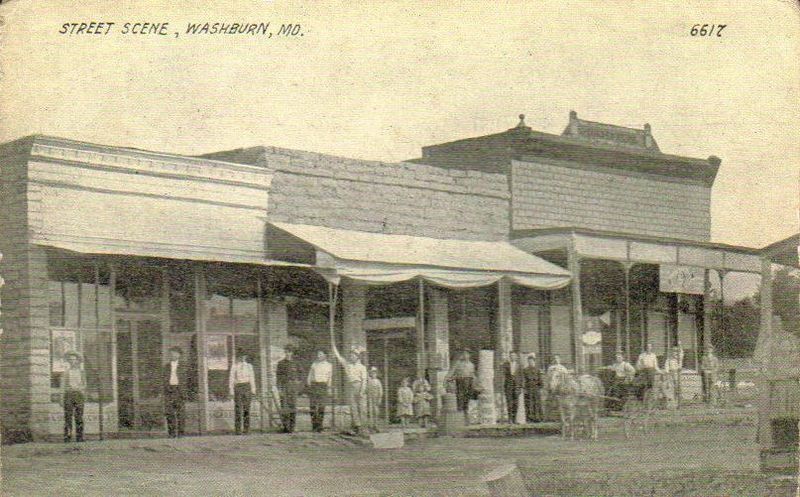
<point>716,455</point>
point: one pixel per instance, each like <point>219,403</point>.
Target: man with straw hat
<point>74,391</point>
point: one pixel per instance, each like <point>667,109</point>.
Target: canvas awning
<point>378,258</point>
<point>193,253</point>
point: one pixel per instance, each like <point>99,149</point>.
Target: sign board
<point>62,341</point>
<point>681,279</point>
<point>591,338</point>
<point>217,352</point>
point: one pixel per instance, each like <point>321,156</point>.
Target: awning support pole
<point>100,346</point>
<point>333,294</point>
<point>265,352</point>
<point>627,267</point>
<point>421,357</point>
<point>724,336</point>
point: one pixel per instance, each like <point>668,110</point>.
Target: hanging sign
<point>681,279</point>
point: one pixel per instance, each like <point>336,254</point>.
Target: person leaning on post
<point>74,392</point>
<point>175,380</point>
<point>356,376</point>
<point>242,386</point>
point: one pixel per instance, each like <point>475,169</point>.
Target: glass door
<point>139,363</point>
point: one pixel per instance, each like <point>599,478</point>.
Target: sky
<point>379,80</point>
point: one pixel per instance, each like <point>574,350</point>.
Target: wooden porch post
<point>574,265</point>
<point>706,310</point>
<point>626,267</point>
<point>100,346</point>
<point>202,363</point>
<point>764,433</point>
<point>112,286</point>
<point>724,336</point>
<point>265,358</point>
<point>421,355</point>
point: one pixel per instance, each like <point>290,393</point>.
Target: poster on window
<point>217,352</point>
<point>681,279</point>
<point>62,341</point>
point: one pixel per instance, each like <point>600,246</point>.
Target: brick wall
<point>402,198</point>
<point>25,352</point>
<point>547,195</point>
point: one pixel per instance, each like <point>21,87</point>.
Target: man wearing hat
<point>289,379</point>
<point>175,380</point>
<point>74,390</point>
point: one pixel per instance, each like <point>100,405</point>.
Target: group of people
<point>414,401</point>
<point>627,377</point>
<point>363,389</point>
<point>519,379</point>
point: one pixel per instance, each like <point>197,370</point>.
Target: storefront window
<point>231,324</point>
<point>80,314</point>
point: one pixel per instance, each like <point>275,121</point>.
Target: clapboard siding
<point>548,196</point>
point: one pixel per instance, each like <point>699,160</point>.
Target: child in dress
<point>422,401</point>
<point>405,402</point>
<point>374,397</point>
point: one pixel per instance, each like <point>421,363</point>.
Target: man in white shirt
<point>319,382</point>
<point>242,385</point>
<point>648,365</point>
<point>672,370</point>
<point>355,375</point>
<point>462,373</point>
<point>623,370</point>
<point>709,364</point>
<point>74,391</point>
<point>620,382</point>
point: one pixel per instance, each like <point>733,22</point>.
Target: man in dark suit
<point>532,380</point>
<point>512,385</point>
<point>289,379</point>
<point>175,380</point>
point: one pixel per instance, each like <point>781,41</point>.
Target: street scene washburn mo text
<point>107,28</point>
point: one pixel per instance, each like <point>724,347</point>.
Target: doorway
<point>394,353</point>
<point>139,366</point>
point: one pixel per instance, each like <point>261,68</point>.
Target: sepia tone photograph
<point>496,249</point>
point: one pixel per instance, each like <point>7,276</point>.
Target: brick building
<point>515,241</point>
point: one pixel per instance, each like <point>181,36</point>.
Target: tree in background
<point>786,299</point>
<point>736,326</point>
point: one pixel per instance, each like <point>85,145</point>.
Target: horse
<point>579,401</point>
